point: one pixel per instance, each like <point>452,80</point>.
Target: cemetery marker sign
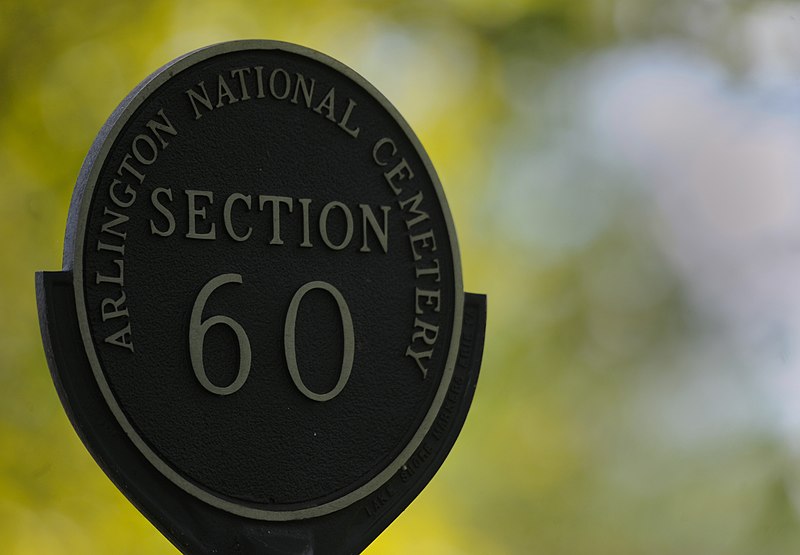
<point>260,330</point>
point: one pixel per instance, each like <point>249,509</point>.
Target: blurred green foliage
<point>565,450</point>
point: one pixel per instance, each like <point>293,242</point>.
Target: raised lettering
<point>116,200</point>
<point>427,332</point>
<point>164,211</point>
<point>386,141</point>
<point>224,91</point>
<point>194,212</point>
<point>240,74</point>
<point>381,233</point>
<point>130,169</point>
<point>299,85</point>
<point>276,214</point>
<point>122,338</point>
<point>305,203</point>
<point>432,299</point>
<point>151,145</point>
<point>414,202</point>
<point>226,216</point>
<point>426,240</point>
<point>115,311</point>
<point>204,100</point>
<point>287,84</point>
<point>401,172</point>
<point>418,356</point>
<point>323,225</point>
<point>108,227</point>
<point>346,118</point>
<point>327,104</point>
<point>156,127</point>
<point>116,280</point>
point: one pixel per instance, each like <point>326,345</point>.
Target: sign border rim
<point>73,260</point>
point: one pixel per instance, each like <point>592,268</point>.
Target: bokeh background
<point>625,180</point>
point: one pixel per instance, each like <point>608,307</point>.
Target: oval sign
<point>267,279</point>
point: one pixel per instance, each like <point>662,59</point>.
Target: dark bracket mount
<point>197,528</point>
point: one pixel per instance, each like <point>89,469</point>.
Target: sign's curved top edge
<point>73,261</point>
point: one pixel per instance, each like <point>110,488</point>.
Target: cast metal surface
<point>260,326</point>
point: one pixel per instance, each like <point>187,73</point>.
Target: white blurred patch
<point>715,155</point>
<point>545,200</point>
<point>719,161</point>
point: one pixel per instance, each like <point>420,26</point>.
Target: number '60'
<point>198,328</point>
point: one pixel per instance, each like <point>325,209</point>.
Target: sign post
<point>260,331</point>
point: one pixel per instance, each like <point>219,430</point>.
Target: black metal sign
<point>260,330</point>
